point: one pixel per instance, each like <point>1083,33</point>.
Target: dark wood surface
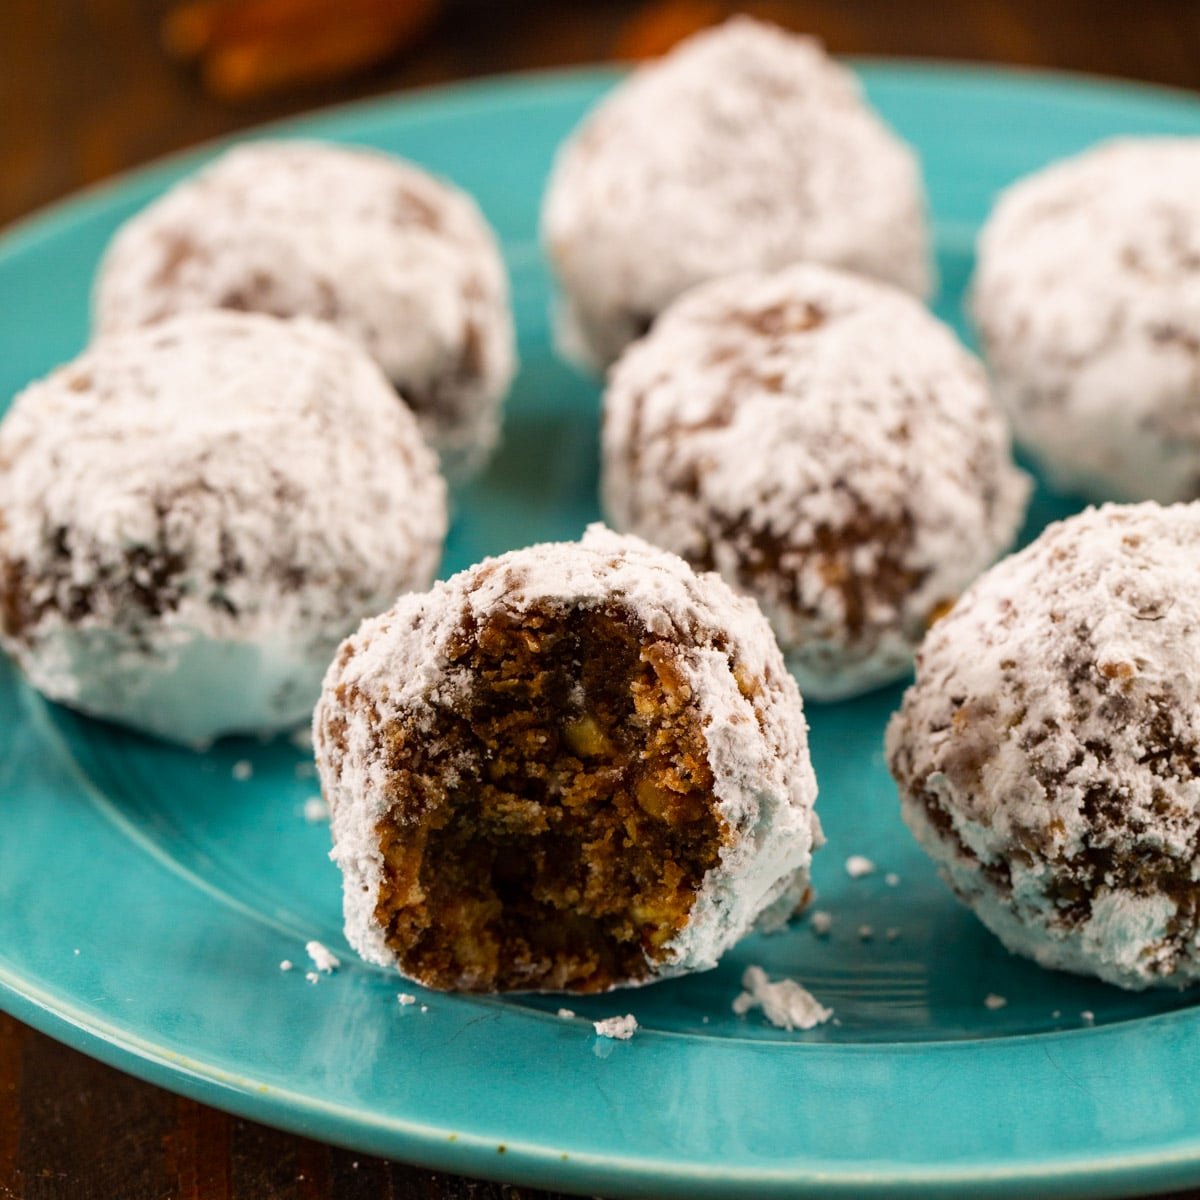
<point>85,92</point>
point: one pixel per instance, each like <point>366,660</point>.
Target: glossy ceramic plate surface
<point>147,895</point>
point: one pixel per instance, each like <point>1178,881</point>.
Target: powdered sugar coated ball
<point>1048,757</point>
<point>828,447</point>
<point>571,767</point>
<point>1087,300</point>
<point>193,515</point>
<point>745,148</point>
<point>400,261</point>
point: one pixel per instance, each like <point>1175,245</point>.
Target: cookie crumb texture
<point>745,148</point>
<point>193,515</point>
<point>570,768</point>
<point>1087,302</point>
<point>828,447</point>
<point>398,260</point>
<point>1048,756</point>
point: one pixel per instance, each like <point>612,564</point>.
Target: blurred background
<point>90,87</point>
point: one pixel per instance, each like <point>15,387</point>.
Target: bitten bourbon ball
<point>1048,756</point>
<point>829,448</point>
<point>745,148</point>
<point>193,515</point>
<point>1087,300</point>
<point>398,260</point>
<point>568,768</point>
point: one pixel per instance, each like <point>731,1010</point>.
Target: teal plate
<point>147,896</point>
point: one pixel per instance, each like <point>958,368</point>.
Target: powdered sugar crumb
<point>322,958</point>
<point>993,1002</point>
<point>406,998</point>
<point>858,866</point>
<point>243,769</point>
<point>892,879</point>
<point>315,810</point>
<point>866,932</point>
<point>621,1028</point>
<point>785,1003</point>
<point>820,922</point>
<point>286,965</point>
<point>566,1014</point>
<point>1087,1017</point>
<point>311,976</point>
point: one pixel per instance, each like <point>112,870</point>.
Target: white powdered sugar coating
<point>1048,756</point>
<point>825,444</point>
<point>315,810</point>
<point>764,788</point>
<point>785,1003</point>
<point>745,148</point>
<point>194,515</point>
<point>400,261</point>
<point>1087,300</point>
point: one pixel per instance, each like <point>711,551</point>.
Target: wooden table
<point>85,92</point>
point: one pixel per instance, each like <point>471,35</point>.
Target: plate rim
<point>475,92</point>
<point>1174,1163</point>
<point>523,1164</point>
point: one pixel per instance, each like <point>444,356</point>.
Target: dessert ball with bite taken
<point>400,261</point>
<point>193,515</point>
<point>828,447</point>
<point>1048,756</point>
<point>746,148</point>
<point>1087,301</point>
<point>568,768</point>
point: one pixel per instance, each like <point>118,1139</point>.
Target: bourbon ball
<point>568,768</point>
<point>1087,302</point>
<point>400,261</point>
<point>746,148</point>
<point>828,447</point>
<point>194,514</point>
<point>1048,756</point>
